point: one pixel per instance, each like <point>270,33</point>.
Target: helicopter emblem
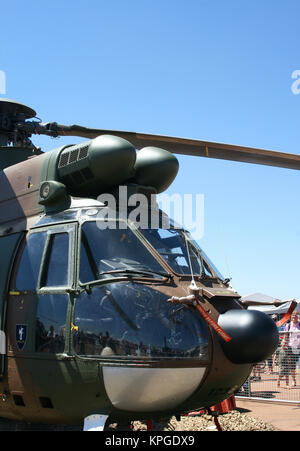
<point>21,336</point>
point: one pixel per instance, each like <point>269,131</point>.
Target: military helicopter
<point>100,323</point>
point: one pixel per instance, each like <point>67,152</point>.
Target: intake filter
<point>94,166</point>
<point>155,167</point>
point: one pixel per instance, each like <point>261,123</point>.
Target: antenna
<point>193,285</point>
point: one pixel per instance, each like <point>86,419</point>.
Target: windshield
<point>180,252</point>
<point>129,319</point>
<point>116,249</point>
<point>111,251</point>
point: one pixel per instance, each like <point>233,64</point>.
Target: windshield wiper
<point>130,272</point>
<point>137,271</point>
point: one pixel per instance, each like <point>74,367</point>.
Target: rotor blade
<point>276,302</point>
<point>192,147</point>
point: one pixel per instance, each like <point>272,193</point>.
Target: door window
<point>30,263</point>
<point>56,273</point>
<point>51,323</point>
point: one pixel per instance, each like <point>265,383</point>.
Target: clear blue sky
<point>207,69</point>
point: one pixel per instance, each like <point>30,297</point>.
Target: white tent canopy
<point>268,304</point>
<point>271,309</point>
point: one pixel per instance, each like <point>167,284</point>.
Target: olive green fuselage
<point>54,369</point>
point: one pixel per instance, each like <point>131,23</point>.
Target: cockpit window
<point>178,250</point>
<point>206,258</point>
<point>105,252</point>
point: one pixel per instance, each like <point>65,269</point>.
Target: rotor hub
<point>13,109</point>
<point>12,113</point>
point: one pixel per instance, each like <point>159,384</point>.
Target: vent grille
<point>18,400</point>
<point>83,153</point>
<point>72,156</point>
<point>64,160</point>
<point>46,403</point>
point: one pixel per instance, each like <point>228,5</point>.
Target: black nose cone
<point>254,336</point>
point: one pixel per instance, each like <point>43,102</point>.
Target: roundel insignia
<point>21,336</point>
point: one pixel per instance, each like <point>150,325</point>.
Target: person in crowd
<point>283,360</point>
<point>293,333</point>
<point>271,360</point>
<point>256,373</point>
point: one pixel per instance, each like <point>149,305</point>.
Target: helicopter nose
<point>254,335</point>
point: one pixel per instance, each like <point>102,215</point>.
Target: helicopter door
<point>55,282</point>
<point>8,246</point>
<point>37,313</point>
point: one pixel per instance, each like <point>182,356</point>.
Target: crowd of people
<point>287,356</point>
<point>289,351</point>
